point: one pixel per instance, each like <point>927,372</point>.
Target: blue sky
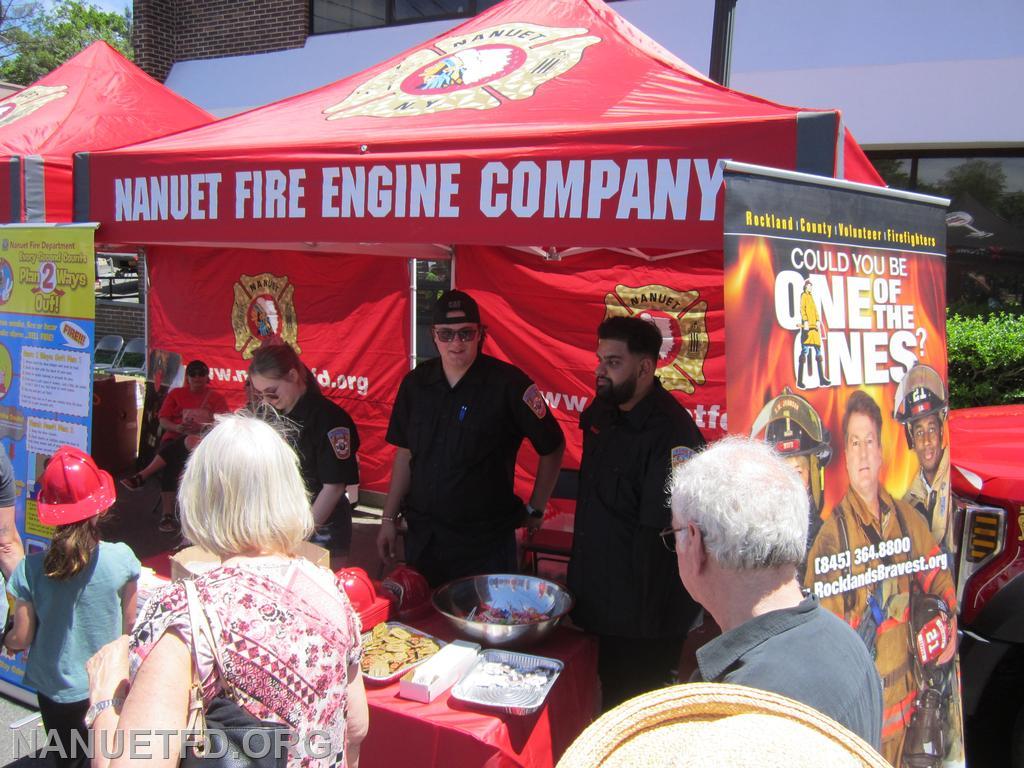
<point>107,5</point>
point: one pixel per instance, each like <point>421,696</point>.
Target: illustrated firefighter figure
<point>811,341</point>
<point>876,564</point>
<point>921,407</point>
<point>793,427</point>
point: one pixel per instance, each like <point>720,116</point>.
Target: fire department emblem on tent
<point>27,101</point>
<point>263,308</point>
<point>679,317</point>
<point>472,71</point>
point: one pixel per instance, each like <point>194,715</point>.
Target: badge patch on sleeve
<point>341,442</point>
<point>680,455</point>
<point>533,398</point>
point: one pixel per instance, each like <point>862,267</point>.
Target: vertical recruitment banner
<point>47,323</point>
<point>836,355</point>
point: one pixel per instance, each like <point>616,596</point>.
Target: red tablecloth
<point>448,734</point>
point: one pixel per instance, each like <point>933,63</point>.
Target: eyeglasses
<point>268,395</point>
<point>668,538</point>
<point>448,334</point>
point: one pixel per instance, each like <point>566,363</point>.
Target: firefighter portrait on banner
<point>848,384</point>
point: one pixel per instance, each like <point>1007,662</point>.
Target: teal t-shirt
<point>74,618</point>
<point>8,492</point>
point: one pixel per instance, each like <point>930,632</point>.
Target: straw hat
<point>713,724</point>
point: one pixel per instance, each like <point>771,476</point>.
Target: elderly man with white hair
<point>739,527</point>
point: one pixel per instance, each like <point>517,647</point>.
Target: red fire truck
<point>988,482</point>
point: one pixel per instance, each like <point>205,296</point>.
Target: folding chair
<point>132,359</point>
<point>107,351</point>
<point>546,544</point>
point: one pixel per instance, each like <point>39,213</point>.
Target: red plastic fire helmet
<point>359,588</point>
<point>410,588</point>
<point>73,488</point>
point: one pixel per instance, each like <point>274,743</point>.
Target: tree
<point>35,41</point>
<point>984,179</point>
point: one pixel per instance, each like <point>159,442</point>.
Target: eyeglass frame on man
<point>464,335</point>
<point>668,537</point>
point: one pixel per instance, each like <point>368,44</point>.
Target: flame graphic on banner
<point>769,353</point>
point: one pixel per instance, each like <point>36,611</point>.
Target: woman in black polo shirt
<point>326,442</point>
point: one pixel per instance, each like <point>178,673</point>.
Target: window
<point>341,15</point>
<point>995,180</point>
<point>432,279</point>
<point>986,225</point>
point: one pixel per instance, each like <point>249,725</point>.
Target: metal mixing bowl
<point>460,600</point>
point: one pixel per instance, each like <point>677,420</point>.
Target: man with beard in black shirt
<point>621,574</point>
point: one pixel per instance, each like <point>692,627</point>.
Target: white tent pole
<point>412,313</point>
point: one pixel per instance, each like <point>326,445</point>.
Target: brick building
<point>167,31</point>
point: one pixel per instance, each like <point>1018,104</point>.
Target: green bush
<point>986,359</point>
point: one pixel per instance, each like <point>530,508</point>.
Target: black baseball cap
<point>197,368</point>
<point>455,307</point>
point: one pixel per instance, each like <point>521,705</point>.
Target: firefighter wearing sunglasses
<point>458,422</point>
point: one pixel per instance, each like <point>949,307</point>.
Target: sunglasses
<point>668,538</point>
<point>447,334</point>
<point>269,394</point>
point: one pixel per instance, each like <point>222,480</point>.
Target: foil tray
<point>514,699</point>
<point>393,676</point>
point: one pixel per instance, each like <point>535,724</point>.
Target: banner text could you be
<point>836,354</point>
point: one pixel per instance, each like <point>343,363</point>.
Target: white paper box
<point>438,673</point>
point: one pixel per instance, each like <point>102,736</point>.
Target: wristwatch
<point>533,512</point>
<point>94,710</point>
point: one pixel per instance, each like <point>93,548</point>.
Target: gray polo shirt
<point>806,653</point>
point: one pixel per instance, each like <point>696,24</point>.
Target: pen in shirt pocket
<point>462,413</point>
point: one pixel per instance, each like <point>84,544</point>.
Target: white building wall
<point>906,73</point>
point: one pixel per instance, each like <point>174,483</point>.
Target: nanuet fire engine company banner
<point>836,355</point>
<point>347,317</point>
<point>543,315</point>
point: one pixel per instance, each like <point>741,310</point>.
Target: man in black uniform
<point>458,422</point>
<point>327,441</point>
<point>623,577</point>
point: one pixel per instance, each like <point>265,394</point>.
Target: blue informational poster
<point>47,324</point>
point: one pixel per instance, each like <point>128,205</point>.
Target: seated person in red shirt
<point>185,413</point>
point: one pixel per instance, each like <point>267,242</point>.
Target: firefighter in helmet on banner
<point>791,425</point>
<point>876,564</point>
<point>921,407</point>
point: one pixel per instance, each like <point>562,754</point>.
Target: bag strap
<point>196,720</point>
<point>199,619</point>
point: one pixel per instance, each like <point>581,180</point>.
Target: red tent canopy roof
<point>95,100</point>
<point>538,122</point>
<point>588,71</point>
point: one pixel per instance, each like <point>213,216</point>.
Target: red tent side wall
<point>543,317</point>
<point>348,316</point>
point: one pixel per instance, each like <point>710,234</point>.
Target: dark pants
<point>63,720</point>
<point>629,666</point>
<point>439,564</point>
<point>175,453</point>
<point>339,527</point>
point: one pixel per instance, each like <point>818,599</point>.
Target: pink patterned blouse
<point>287,637</point>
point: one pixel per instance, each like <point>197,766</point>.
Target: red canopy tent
<point>96,100</point>
<point>567,162</point>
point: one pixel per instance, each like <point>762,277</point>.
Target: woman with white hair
<point>287,639</point>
